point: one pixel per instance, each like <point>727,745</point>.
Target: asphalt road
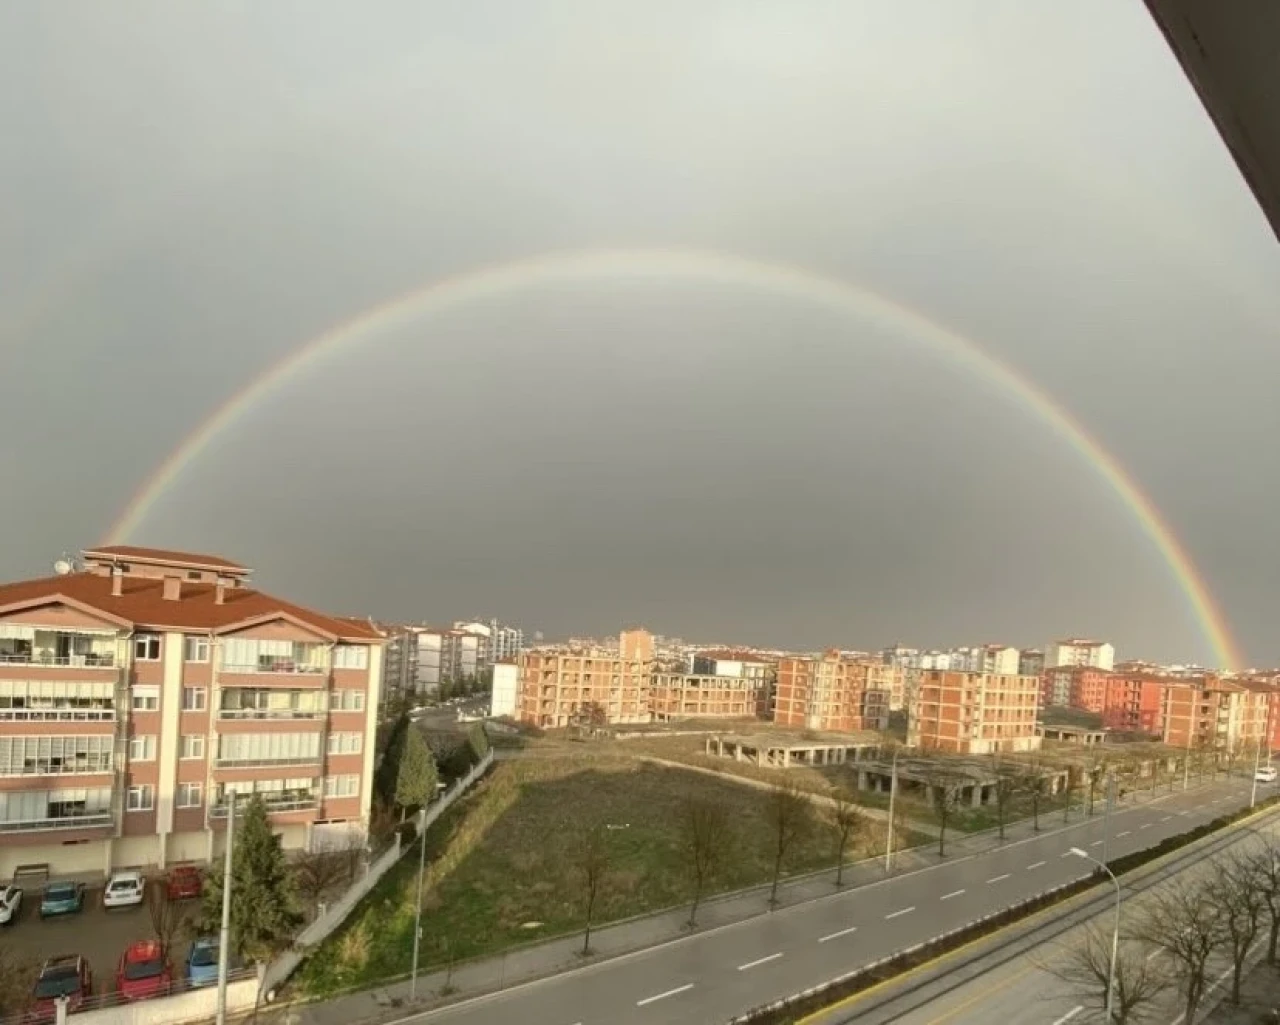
<point>710,977</point>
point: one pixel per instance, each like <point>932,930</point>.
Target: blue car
<point>202,962</point>
<point>61,899</point>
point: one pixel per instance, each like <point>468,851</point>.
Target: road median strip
<point>801,1006</point>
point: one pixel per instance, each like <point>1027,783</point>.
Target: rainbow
<point>697,265</point>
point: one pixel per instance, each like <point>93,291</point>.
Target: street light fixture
<point>1115,932</point>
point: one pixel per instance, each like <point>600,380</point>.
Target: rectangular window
<point>348,701</point>
<point>351,656</point>
<point>196,648</point>
<point>145,699</point>
<point>345,743</point>
<point>34,700</point>
<point>146,647</point>
<point>49,756</point>
<point>192,746</point>
<point>141,798</point>
<point>249,655</point>
<point>341,786</point>
<point>190,795</point>
<point>255,748</point>
<point>194,699</point>
<point>142,749</point>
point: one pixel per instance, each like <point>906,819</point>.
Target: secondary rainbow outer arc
<point>788,281</point>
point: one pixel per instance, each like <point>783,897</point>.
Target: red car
<point>184,882</point>
<point>144,972</point>
<point>65,976</point>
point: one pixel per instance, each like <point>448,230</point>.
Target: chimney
<point>172,588</point>
<point>220,592</point>
<point>117,581</point>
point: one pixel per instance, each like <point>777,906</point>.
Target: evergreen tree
<point>416,777</point>
<point>478,741</point>
<point>384,780</point>
<point>264,913</point>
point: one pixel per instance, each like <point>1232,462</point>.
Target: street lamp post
<point>893,792</point>
<point>417,915</point>
<point>224,934</point>
<point>1115,932</point>
<point>1257,764</point>
<point>1106,816</point>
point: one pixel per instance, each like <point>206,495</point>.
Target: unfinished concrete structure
<point>1082,735</point>
<point>784,753</point>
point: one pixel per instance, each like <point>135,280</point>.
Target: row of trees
<point>708,836</point>
<point>1175,935</point>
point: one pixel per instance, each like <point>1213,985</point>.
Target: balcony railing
<point>58,714</point>
<point>92,660</point>
<point>265,763</point>
<point>284,665</point>
<point>290,802</point>
<point>270,713</point>
<point>65,822</point>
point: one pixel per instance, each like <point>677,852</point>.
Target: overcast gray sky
<point>189,192</point>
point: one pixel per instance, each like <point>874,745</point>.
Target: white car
<point>1266,774</point>
<point>124,889</point>
<point>10,902</point>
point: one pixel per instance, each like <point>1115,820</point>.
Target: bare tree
<point>945,791</point>
<point>593,866</point>
<point>1234,888</point>
<point>315,873</point>
<point>1180,920</point>
<point>789,814</point>
<point>1034,785</point>
<point>1006,785</point>
<point>1094,774</point>
<point>1086,967</point>
<point>706,837</point>
<point>1266,874</point>
<point>165,914</point>
<point>846,820</point>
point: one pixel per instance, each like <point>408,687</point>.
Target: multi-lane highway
<point>711,976</point>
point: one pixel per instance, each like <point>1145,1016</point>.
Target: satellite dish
<point>62,567</point>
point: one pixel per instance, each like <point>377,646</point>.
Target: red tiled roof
<point>165,555</point>
<point>143,604</point>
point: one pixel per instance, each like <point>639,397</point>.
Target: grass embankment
<point>508,854</point>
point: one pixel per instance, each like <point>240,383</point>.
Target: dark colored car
<point>61,899</point>
<point>144,971</point>
<point>184,882</point>
<point>65,976</point>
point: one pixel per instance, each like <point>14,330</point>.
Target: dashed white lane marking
<point>1125,833</point>
<point>759,961</point>
<point>1069,1015</point>
<point>953,893</point>
<point>1097,843</point>
<point>1038,864</point>
<point>663,996</point>
<point>837,935</point>
<point>998,879</point>
<point>896,914</point>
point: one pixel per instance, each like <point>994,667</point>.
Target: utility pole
<point>224,934</point>
<point>1106,817</point>
<point>893,793</point>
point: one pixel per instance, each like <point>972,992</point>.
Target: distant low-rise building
<point>564,685</point>
<point>974,713</point>
<point>1078,652</point>
<point>834,693</point>
<point>1030,662</point>
<point>1082,687</point>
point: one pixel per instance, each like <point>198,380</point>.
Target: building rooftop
<point>164,556</point>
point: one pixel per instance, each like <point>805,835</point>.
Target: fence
<point>282,967</point>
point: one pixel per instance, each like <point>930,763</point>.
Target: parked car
<point>184,882</point>
<point>144,971</point>
<point>124,889</point>
<point>10,902</point>
<point>65,976</point>
<point>1266,774</point>
<point>202,962</point>
<point>61,899</point>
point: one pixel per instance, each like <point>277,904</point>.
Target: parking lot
<point>94,933</point>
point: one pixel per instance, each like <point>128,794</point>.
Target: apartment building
<point>693,696</point>
<point>832,692</point>
<point>399,661</point>
<point>1082,687</point>
<point>1078,652</point>
<point>1215,714</point>
<point>504,689</point>
<point>974,713</point>
<point>1030,662</point>
<point>758,669</point>
<point>139,693</point>
<point>1135,701</point>
<point>568,684</point>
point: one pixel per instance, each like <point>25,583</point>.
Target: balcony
<point>266,763</point>
<point>276,803</point>
<point>270,713</point>
<point>63,713</point>
<point>95,820</point>
<point>88,660</point>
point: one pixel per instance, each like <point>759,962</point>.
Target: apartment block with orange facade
<point>1135,702</point>
<point>1214,714</point>
<point>1083,687</point>
<point>834,693</point>
<point>684,696</point>
<point>137,694</point>
<point>561,686</point>
<point>974,713</point>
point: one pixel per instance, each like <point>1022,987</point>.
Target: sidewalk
<point>551,957</point>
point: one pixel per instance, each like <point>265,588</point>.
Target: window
<point>250,655</point>
<point>142,749</point>
<point>141,798</point>
<point>192,746</point>
<point>190,795</point>
<point>193,574</point>
<point>251,748</point>
<point>83,701</point>
<point>341,786</point>
<point>146,647</point>
<point>194,699</point>
<point>145,699</point>
<point>351,656</point>
<point>348,701</point>
<point>196,648</point>
<point>345,743</point>
<point>49,756</point>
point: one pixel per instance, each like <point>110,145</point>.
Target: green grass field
<point>506,856</point>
